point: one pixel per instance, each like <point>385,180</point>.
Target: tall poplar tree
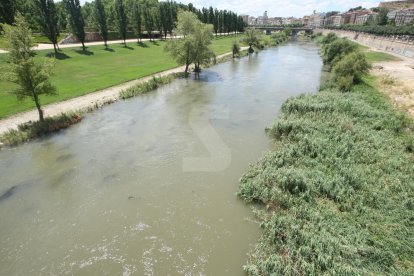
<point>48,20</point>
<point>121,19</point>
<point>137,19</point>
<point>7,11</point>
<point>77,23</point>
<point>101,18</point>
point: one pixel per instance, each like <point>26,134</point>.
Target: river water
<point>148,186</point>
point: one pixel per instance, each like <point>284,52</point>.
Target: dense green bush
<point>338,190</point>
<point>333,51</point>
<point>349,70</point>
<point>345,61</point>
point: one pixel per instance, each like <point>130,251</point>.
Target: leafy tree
<point>32,78</point>
<point>336,50</point>
<point>121,19</point>
<point>48,20</point>
<point>89,15</point>
<point>166,14</point>
<point>382,18</point>
<point>201,37</point>
<point>252,38</point>
<point>181,51</point>
<point>61,14</point>
<point>186,23</point>
<point>216,23</point>
<point>137,19</point>
<point>194,46</point>
<point>350,69</point>
<point>7,11</point>
<point>149,19</point>
<point>100,15</point>
<point>77,23</point>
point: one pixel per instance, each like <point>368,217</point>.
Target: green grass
<point>78,73</point>
<point>379,57</point>
<point>338,190</point>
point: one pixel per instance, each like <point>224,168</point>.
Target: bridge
<point>295,30</point>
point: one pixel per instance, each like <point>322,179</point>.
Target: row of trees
<point>122,16</point>
<point>384,30</point>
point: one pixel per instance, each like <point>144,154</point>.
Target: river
<point>148,186</point>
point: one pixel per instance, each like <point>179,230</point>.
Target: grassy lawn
<point>78,73</point>
<point>373,56</point>
<point>379,56</point>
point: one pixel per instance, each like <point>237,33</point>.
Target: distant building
<point>305,20</point>
<point>245,18</point>
<point>404,17</point>
<point>366,18</point>
<point>317,20</point>
<point>397,5</point>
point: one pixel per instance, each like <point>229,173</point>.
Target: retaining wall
<point>386,44</point>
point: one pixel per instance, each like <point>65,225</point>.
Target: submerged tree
<point>193,47</point>
<point>32,78</point>
<point>202,37</point>
<point>48,20</point>
<point>235,48</point>
<point>102,22</point>
<point>76,20</point>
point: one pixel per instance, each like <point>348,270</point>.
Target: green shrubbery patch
<point>338,190</point>
<point>145,87</point>
<point>32,130</point>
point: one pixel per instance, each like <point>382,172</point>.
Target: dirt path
<point>98,98</point>
<point>396,79</point>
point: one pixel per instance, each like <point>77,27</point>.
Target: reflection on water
<point>112,195</point>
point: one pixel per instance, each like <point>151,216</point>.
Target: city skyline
<point>281,8</point>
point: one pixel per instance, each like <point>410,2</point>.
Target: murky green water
<point>147,186</point>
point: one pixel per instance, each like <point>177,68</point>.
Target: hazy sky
<point>282,8</point>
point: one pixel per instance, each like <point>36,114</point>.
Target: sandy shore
<point>396,80</point>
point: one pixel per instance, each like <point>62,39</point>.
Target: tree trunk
<point>39,108</point>
<point>83,46</point>
<point>54,47</point>
<point>106,44</point>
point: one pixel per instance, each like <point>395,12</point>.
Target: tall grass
<point>32,130</point>
<point>146,87</point>
<point>338,192</point>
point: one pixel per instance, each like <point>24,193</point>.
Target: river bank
<point>337,189</point>
<point>90,101</point>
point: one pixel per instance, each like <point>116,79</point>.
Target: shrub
<point>235,48</point>
<point>336,50</point>
<point>31,130</point>
<point>145,87</point>
<point>349,70</point>
<point>337,190</point>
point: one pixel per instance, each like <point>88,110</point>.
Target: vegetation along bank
<point>337,191</point>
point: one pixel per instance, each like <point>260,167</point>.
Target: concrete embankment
<point>382,43</point>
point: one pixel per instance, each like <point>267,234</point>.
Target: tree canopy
<point>32,78</point>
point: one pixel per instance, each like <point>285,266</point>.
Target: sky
<point>281,8</point>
